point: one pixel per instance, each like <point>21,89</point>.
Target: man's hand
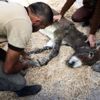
<point>57,17</point>
<point>92,40</point>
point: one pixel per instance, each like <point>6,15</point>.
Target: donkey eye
<point>91,55</point>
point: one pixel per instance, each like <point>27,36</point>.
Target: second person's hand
<point>92,40</point>
<point>57,17</point>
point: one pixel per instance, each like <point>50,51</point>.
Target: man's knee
<point>11,82</point>
<point>9,85</point>
<point>81,15</point>
<point>76,18</point>
<point>19,82</point>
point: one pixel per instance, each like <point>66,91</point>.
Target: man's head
<point>41,15</point>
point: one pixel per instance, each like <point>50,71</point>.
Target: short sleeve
<point>18,33</point>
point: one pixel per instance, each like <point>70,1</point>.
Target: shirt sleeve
<point>95,21</point>
<point>18,33</point>
<point>66,6</point>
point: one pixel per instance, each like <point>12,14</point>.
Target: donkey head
<point>84,56</point>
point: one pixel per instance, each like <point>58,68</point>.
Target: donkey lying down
<point>64,32</point>
<point>85,55</point>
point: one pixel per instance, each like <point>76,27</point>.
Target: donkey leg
<point>54,52</point>
<point>96,67</point>
<point>48,46</point>
<point>38,50</point>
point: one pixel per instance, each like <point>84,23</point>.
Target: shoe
<point>28,90</point>
<point>96,67</point>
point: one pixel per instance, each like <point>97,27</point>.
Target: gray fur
<point>65,32</point>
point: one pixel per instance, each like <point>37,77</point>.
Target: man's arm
<point>12,63</point>
<point>95,22</point>
<point>66,6</point>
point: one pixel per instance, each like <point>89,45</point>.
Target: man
<point>16,26</point>
<point>89,11</point>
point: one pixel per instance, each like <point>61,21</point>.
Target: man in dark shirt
<point>89,11</point>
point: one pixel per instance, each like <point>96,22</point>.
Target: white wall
<point>22,2</point>
<point>56,3</point>
<point>78,3</point>
<point>27,2</point>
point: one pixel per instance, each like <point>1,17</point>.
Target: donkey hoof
<point>43,61</point>
<point>96,67</point>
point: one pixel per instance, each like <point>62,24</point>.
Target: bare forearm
<point>19,66</point>
<point>66,6</point>
<point>12,63</point>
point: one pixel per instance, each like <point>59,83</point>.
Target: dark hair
<point>42,9</point>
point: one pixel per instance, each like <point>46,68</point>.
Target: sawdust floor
<point>59,82</point>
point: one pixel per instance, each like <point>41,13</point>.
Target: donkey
<point>65,32</point>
